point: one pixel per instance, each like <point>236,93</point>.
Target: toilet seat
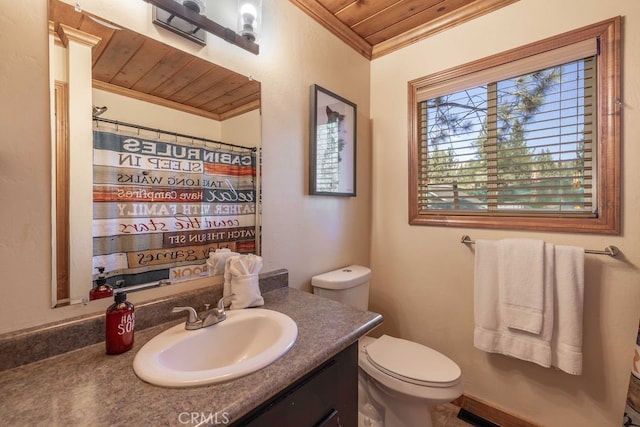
<point>412,362</point>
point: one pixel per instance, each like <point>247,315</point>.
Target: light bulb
<point>248,11</point>
<point>248,14</point>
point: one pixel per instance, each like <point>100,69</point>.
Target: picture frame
<point>332,148</point>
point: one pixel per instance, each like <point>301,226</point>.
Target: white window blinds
<point>515,139</point>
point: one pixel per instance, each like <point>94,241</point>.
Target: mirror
<point>175,120</point>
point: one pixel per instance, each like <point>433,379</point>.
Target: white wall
<point>423,276</point>
<point>244,130</point>
<point>304,234</point>
<point>129,110</point>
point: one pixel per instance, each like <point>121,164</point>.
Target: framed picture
<point>332,144</point>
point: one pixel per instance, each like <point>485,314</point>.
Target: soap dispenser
<point>101,289</point>
<point>120,325</point>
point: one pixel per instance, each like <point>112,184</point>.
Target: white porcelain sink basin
<point>246,341</point>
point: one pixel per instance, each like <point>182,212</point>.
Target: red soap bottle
<point>101,289</point>
<point>121,321</point>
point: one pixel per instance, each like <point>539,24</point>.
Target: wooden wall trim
<point>67,33</point>
<point>362,46</point>
<point>457,17</point>
<point>119,90</point>
<point>331,23</point>
<point>61,94</point>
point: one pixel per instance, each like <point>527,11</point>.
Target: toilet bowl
<point>401,379</point>
<point>398,379</point>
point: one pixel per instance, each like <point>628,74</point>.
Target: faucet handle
<point>193,315</point>
<point>221,302</point>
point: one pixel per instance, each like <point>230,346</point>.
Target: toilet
<point>398,379</point>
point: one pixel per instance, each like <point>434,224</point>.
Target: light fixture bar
<point>206,24</point>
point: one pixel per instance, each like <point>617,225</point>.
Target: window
<point>526,139</point>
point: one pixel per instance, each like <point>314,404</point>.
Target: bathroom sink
<point>246,341</point>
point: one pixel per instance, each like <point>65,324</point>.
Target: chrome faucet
<point>207,318</point>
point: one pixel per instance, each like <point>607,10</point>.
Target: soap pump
<point>101,289</point>
<point>120,325</point>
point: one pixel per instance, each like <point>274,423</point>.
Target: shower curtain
<point>161,204</point>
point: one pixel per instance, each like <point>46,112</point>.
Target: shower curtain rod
<point>166,132</point>
<point>612,251</point>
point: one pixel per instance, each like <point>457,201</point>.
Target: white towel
<point>569,297</point>
<point>521,281</point>
<point>241,281</point>
<point>559,343</point>
<point>486,297</point>
<point>491,332</point>
<point>216,264</point>
<point>217,260</point>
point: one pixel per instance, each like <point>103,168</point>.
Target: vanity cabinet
<point>326,397</point>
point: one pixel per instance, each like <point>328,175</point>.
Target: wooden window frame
<point>608,145</point>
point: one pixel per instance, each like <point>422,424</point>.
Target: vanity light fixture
<point>172,21</point>
<point>186,17</point>
<point>249,18</point>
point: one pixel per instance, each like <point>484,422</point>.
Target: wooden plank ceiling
<point>377,27</point>
<point>137,66</point>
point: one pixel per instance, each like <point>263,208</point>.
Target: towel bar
<point>609,250</point>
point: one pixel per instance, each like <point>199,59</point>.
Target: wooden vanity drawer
<point>326,397</point>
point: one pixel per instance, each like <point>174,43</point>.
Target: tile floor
<point>446,415</point>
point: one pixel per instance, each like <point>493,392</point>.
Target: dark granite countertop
<point>87,387</point>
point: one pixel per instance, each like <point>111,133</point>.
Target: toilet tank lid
<point>342,278</point>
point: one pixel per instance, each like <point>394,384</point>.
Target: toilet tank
<point>349,285</point>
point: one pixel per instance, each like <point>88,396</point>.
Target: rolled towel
<point>217,260</point>
<point>242,281</point>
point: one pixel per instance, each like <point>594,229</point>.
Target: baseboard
<point>487,415</point>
